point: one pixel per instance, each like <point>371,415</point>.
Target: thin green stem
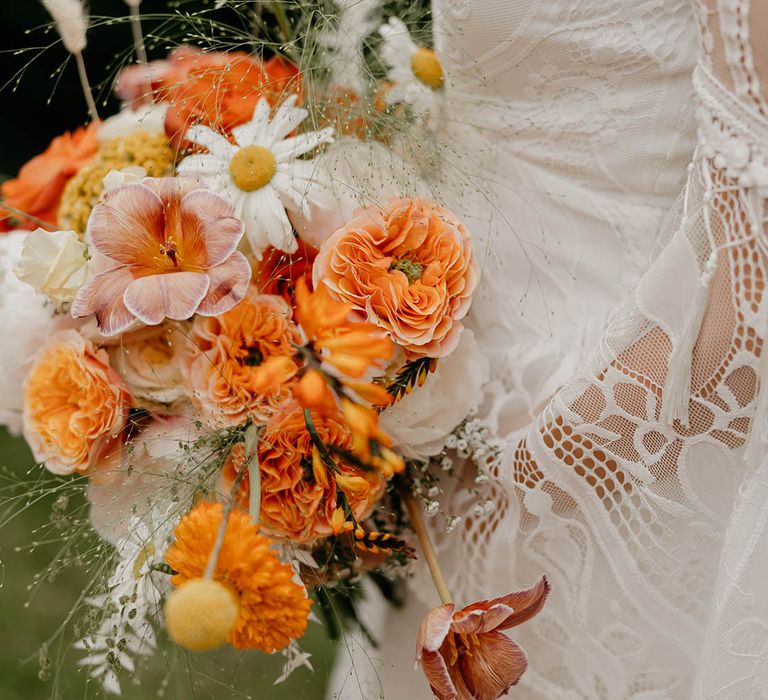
<point>86,86</point>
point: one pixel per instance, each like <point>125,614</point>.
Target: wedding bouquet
<point>237,319</point>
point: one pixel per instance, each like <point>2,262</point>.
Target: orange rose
<point>74,405</point>
<point>408,269</point>
<point>299,493</point>
<point>242,359</point>
<point>37,189</point>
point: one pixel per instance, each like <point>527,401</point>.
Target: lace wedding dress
<point>611,159</point>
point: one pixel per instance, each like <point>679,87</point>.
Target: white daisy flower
<point>263,173</point>
<point>356,20</point>
<point>415,70</point>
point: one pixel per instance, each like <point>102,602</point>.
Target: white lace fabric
<point>635,473</point>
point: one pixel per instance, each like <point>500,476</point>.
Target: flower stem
<point>86,86</point>
<point>417,522</point>
<point>138,38</point>
<point>251,443</point>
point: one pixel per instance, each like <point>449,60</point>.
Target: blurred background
<point>41,98</point>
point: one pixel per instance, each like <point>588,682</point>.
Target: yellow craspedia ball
<point>200,614</point>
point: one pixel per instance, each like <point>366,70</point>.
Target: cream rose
<point>54,264</point>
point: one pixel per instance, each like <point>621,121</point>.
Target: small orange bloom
<point>299,491</point>
<point>408,269</point>
<point>242,360</point>
<point>37,188</point>
<point>272,608</point>
<point>312,391</point>
<point>74,405</point>
<point>351,346</point>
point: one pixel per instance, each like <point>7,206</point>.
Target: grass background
<point>40,100</point>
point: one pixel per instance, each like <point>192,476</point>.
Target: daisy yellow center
<point>252,168</point>
<point>426,67</point>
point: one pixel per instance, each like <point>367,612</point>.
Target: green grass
<point>28,617</point>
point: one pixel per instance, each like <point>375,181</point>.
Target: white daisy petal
<point>216,144</point>
<point>301,144</point>
<point>197,165</point>
<point>249,133</point>
<point>279,230</point>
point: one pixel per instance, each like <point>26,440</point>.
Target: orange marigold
<point>241,363</point>
<point>408,268</point>
<point>299,492</point>
<point>272,607</point>
<point>74,404</point>
<point>37,188</point>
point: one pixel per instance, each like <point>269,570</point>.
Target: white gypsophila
<point>148,119</point>
<point>134,594</point>
<point>358,174</point>
<point>356,20</point>
<point>27,321</point>
<point>263,174</point>
<point>397,51</point>
<point>421,422</point>
<point>53,263</point>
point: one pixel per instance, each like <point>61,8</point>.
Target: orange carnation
<point>242,359</point>
<point>73,404</point>
<point>272,608</point>
<point>299,492</point>
<point>407,268</point>
<point>37,189</point>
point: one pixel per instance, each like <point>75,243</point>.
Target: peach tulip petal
<point>434,629</point>
<point>128,226</point>
<point>493,667</point>
<point>102,296</point>
<point>524,604</point>
<point>209,223</point>
<point>228,285</point>
<point>175,296</point>
<point>438,675</point>
<point>481,619</point>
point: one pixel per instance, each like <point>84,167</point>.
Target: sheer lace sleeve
<point>641,488</point>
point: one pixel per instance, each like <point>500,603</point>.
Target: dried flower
<point>465,655</point>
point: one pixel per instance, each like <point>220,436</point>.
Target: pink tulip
<point>466,656</point>
<point>169,249</point>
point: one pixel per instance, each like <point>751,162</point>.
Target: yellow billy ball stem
<point>200,614</point>
<point>426,67</point>
<point>252,167</point>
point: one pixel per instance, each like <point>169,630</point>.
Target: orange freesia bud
<point>389,462</point>
<point>318,311</point>
<point>312,392</point>
<point>337,521</point>
<point>465,654</point>
<point>374,394</point>
<point>319,470</point>
<point>352,484</point>
<point>273,373</point>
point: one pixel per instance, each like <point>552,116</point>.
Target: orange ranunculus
<point>37,188</point>
<point>407,268</point>
<point>278,271</point>
<point>243,360</point>
<point>218,90</point>
<point>466,656</point>
<point>74,405</point>
<point>299,492</point>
